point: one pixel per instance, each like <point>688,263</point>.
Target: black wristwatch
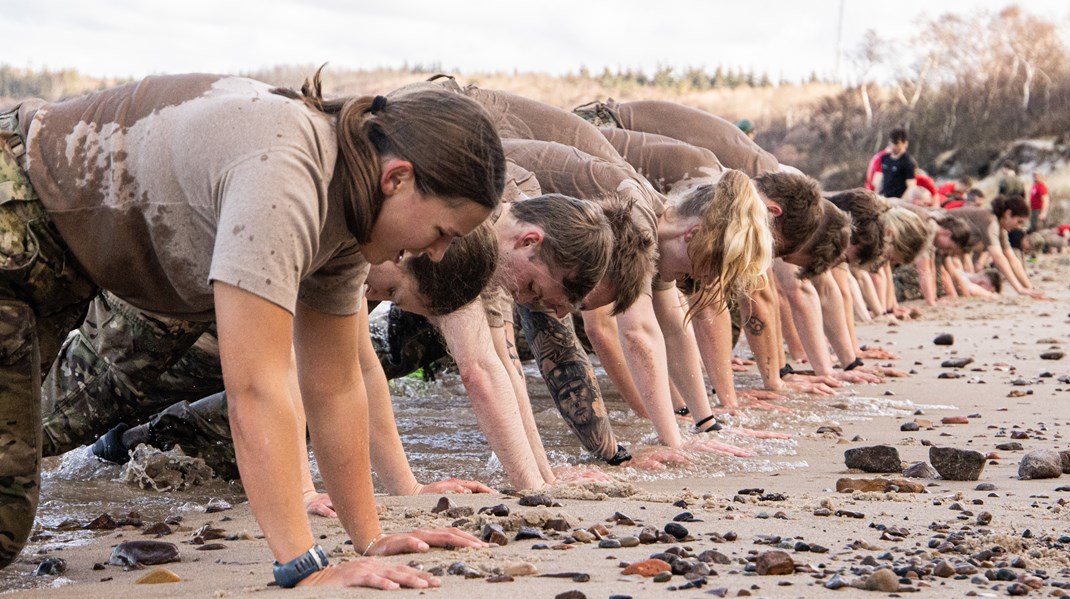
<point>857,362</point>
<point>301,567</point>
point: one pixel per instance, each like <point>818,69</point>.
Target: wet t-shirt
<point>663,161</point>
<point>162,186</point>
<point>731,146</point>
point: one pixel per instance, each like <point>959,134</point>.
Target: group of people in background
<point>190,260</point>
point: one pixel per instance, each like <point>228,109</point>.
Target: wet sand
<point>942,536</point>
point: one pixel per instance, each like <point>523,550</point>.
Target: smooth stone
<point>500,578</point>
<point>146,553</point>
<point>573,594</point>
<point>677,530</point>
<point>521,569</point>
<point>1065,456</point>
<point>878,458</point>
<point>956,363</point>
<point>582,536</point>
<point>159,529</point>
<point>920,470</point>
<point>1012,446</point>
<point>158,576</point>
<point>909,427</point>
<point>620,518</point>
<point>883,580</point>
<point>878,485</point>
<point>609,544</point>
<point>102,522</point>
<point>944,339</point>
<point>954,420</point>
<point>1017,589</point>
<point>527,532</point>
<point>1052,355</point>
<point>943,569</point>
<point>51,566</point>
<point>648,535</point>
<point>663,577</point>
<point>1040,463</point>
<point>957,464</point>
<point>629,541</point>
<point>773,563</point>
<point>536,500</point>
<point>711,556</point>
<point>444,504</point>
<point>836,582</point>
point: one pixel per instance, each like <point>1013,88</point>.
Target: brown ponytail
<point>454,149</point>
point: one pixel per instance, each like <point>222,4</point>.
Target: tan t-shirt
<point>572,172</point>
<point>162,186</point>
<point>731,146</point>
<point>520,184</point>
<point>662,160</point>
<point>984,228</point>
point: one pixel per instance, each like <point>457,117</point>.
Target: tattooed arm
<point>570,379</point>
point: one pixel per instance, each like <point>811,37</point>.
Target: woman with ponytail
<point>988,233</point>
<point>201,198</point>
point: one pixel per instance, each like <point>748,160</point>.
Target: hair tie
<point>378,104</point>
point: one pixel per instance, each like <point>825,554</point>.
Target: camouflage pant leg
<point>201,429</point>
<point>108,369</point>
<point>197,374</point>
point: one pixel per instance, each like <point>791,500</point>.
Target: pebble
<point>158,576</point>
<point>494,533</point>
<point>582,536</point>
<point>984,518</point>
<point>1012,446</point>
<point>629,541</point>
<point>944,339</point>
<point>771,563</point>
<point>883,580</point>
<point>51,566</point>
<point>500,578</point>
<point>536,500</point>
<point>957,464</point>
<point>836,582</point>
<point>663,577</point>
<point>648,535</point>
<point>677,530</point>
<point>954,420</point>
<point>956,363</point>
<point>878,485</point>
<point>217,504</point>
<point>520,569</point>
<point>573,594</point>
<point>647,568</point>
<point>102,522</point>
<point>878,458</point>
<point>920,470</point>
<point>985,487</point>
<point>527,532</point>
<point>1040,463</point>
<point>620,518</point>
<point>909,427</point>
<point>950,375</point>
<point>501,510</point>
<point>609,544</point>
<point>943,569</point>
<point>147,553</point>
<point>1052,355</point>
<point>1017,589</point>
<point>159,529</point>
<point>711,556</point>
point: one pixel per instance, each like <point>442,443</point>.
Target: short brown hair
<point>994,278</point>
<point>960,231</point>
<point>799,198</point>
<point>826,248</point>
<point>1015,203</point>
<point>577,240</point>
<point>454,149</point>
<point>464,271</point>
<point>867,230</point>
<point>633,260</point>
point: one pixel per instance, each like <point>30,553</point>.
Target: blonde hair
<point>733,246</point>
<point>910,234</point>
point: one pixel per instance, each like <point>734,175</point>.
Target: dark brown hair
<point>994,278</point>
<point>960,231</point>
<point>454,149</point>
<point>867,230</point>
<point>799,198</point>
<point>577,240</point>
<point>1015,203</point>
<point>826,248</point>
<point>464,271</point>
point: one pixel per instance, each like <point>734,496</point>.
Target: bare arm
<point>602,331</point>
<point>644,349</point>
<point>491,393</point>
<point>713,332</point>
<point>685,367</point>
<point>806,308</point>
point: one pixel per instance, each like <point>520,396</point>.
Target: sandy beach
<point>995,536</point>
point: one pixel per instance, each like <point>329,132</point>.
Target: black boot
<point>110,447</point>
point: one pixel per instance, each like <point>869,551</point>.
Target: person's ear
<point>691,231</point>
<point>395,175</point>
<point>530,238</point>
<point>774,208</point>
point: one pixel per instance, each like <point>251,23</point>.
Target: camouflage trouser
<point>119,367</point>
<point>599,114</point>
<point>201,429</point>
<point>42,296</point>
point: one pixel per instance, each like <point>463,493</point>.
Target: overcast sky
<point>788,39</point>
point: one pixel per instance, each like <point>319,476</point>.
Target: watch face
<point>294,571</point>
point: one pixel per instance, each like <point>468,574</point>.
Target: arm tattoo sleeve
<point>570,379</point>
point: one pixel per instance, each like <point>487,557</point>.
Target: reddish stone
<point>647,568</point>
<point>954,420</point>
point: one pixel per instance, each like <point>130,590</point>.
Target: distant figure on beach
<point>1039,203</point>
<point>898,172</point>
<point>1010,184</point>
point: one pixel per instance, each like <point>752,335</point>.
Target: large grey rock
<point>920,470</point>
<point>957,464</point>
<point>1041,463</point>
<point>878,458</point>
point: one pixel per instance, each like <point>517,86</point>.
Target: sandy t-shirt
<point>162,186</point>
<point>664,161</point>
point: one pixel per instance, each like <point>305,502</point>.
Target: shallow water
<point>442,440</point>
